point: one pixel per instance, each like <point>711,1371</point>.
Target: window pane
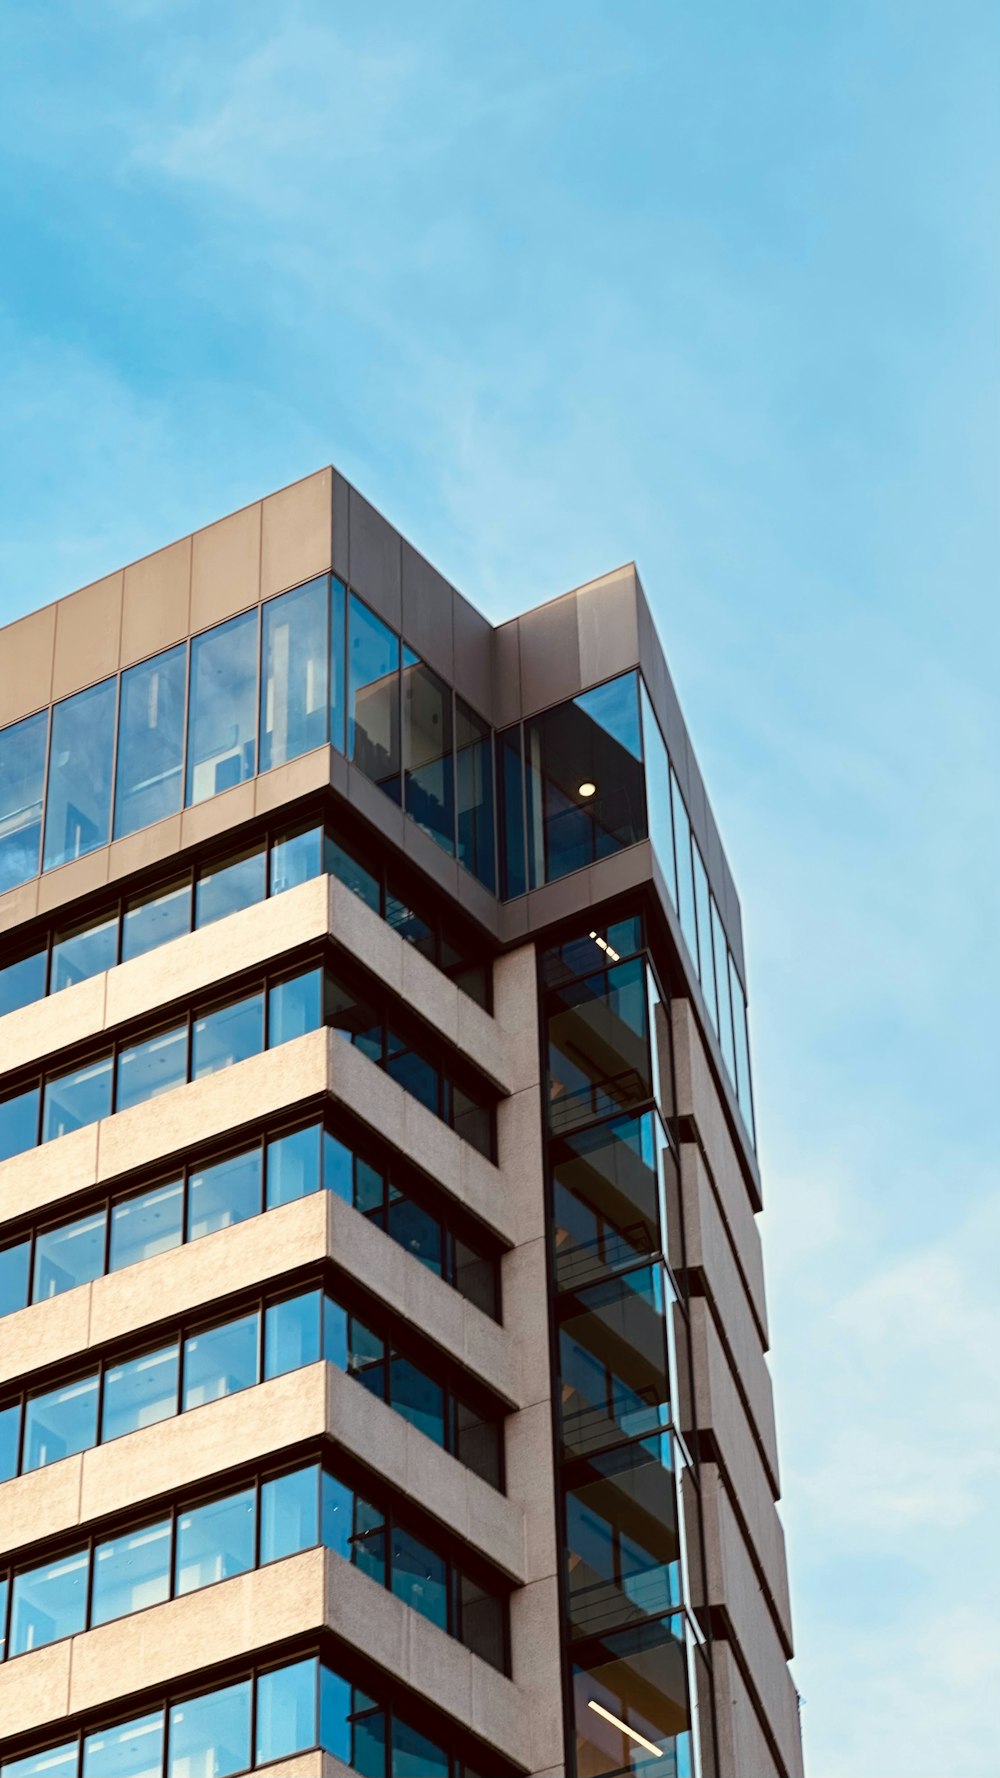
<point>338,625</point>
<point>706,962</point>
<point>69,1255</point>
<point>225,888</point>
<point>54,1762</point>
<point>131,1572</point>
<point>221,1361</point>
<point>131,1750</point>
<point>429,748</point>
<point>373,710</point>
<point>417,1398</point>
<point>293,1166</point>
<point>49,1602</point>
<point>640,1678</point>
<point>661,826</point>
<point>10,1432</point>
<point>598,1049</point>
<point>286,1711</point>
<point>420,1233</point>
<point>83,951</point>
<point>613,1362</point>
<point>18,1122</point>
<point>60,1423</point>
<point>155,918</point>
<point>420,1578</point>
<point>292,1333</point>
<point>585,780</point>
<point>295,1006</point>
<point>14,1263</point>
<point>293,694</point>
<point>413,1756</point>
<point>216,1541</point>
<point>483,1622</point>
<point>227,1035</point>
<point>222,708</point>
<point>742,1050</point>
<point>152,1067</point>
<point>721,954</point>
<point>685,883</point>
<point>296,858</point>
<point>345,867</point>
<point>605,1200</point>
<point>474,794</point>
<point>22,774</point>
<point>78,805</point>
<point>150,741</point>
<point>289,1511</point>
<point>77,1098</point>
<point>22,981</point>
<point>350,1728</point>
<point>224,1194</point>
<point>210,1735</point>
<point>339,1517</point>
<point>147,1224</point>
<point>140,1392</point>
<point>413,1072</point>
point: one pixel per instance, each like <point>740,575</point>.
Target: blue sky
<point>713,286</point>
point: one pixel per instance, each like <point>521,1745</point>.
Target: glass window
<point>292,1333</point>
<point>605,1200</point>
<point>410,925</point>
<point>77,1098</point>
<point>54,1762</point>
<point>286,1711</point>
<point>83,951</point>
<point>130,1750</point>
<point>147,1224</point>
<point>227,887</point>
<point>295,1006</point>
<point>155,918</point>
<point>639,1678</point>
<point>10,1432</point>
<point>140,1392</point>
<point>23,981</point>
<point>706,964</point>
<point>49,1602</point>
<point>623,1554</point>
<point>510,793</point>
<point>223,707</point>
<point>338,627</point>
<point>22,776</point>
<point>293,693</point>
<point>429,751</point>
<point>373,710</point>
<point>352,1347</point>
<point>351,1727</point>
<point>152,1067</point>
<point>414,1228</point>
<point>69,1255</point>
<point>228,1034</point>
<point>343,865</point>
<point>151,741</point>
<point>419,1577</point>
<point>743,1081</point>
<point>131,1572</point>
<point>413,1072</point>
<point>289,1511</point>
<point>660,819</point>
<point>293,1166</point>
<point>18,1122</point>
<point>296,858</point>
<point>60,1423</point>
<point>721,954</point>
<point>225,1193</point>
<point>414,1756</point>
<point>221,1360</point>
<point>585,780</point>
<point>216,1540</point>
<point>474,795</point>
<point>417,1398</point>
<point>685,881</point>
<point>483,1619</point>
<point>210,1735</point>
<point>78,804</point>
<point>613,1362</point>
<point>598,1048</point>
<point>14,1263</point>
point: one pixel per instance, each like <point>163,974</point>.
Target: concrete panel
<point>26,654</point>
<point>44,1334</point>
<point>40,1504</point>
<point>621,873</point>
<point>698,1099</point>
<point>151,845</point>
<point>49,1174</point>
<point>743,1745</point>
<point>519,1149</point>
<point>531,1487</point>
<point>35,1688</point>
<point>284,784</point>
<point>430,858</point>
<point>427,602</point>
<point>156,602</point>
<point>608,625</point>
<point>225,568</point>
<point>18,905</point>
<point>45,1026</point>
<point>710,1250</point>
<point>88,636</point>
<point>297,533</point>
<point>218,814</point>
<point>70,881</point>
<point>550,654</point>
<point>473,657</point>
<point>376,561</point>
<point>535,1667</point>
<point>525,1298</point>
<point>479,903</point>
<point>515,1012</point>
<point>507,699</point>
<point>341,527</point>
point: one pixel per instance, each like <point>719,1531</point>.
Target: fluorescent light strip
<point>592,1704</point>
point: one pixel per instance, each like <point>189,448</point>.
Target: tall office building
<point>382,1321</point>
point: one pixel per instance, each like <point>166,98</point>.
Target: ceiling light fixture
<point>592,1704</point>
<point>587,789</point>
<point>598,940</point>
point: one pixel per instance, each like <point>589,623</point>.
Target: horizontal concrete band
<point>256,1426</point>
<point>247,1616</point>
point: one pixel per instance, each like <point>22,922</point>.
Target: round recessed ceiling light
<point>587,789</point>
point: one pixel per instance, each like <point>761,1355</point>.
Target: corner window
<point>429,751</point>
<point>222,716</point>
<point>586,796</point>
<point>22,779</point>
<point>294,657</point>
<point>373,708</point>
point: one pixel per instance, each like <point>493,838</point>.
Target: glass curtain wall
<point>22,783</point>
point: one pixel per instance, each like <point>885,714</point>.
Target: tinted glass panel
<point>598,1052</point>
<point>417,1398</point>
<point>414,1756</point>
<point>139,1392</point>
<point>685,881</point>
<point>295,1007</point>
<point>210,1735</point>
<point>352,1730</point>
<point>605,1200</point>
<point>373,710</point>
<point>286,1711</point>
<point>223,707</point>
<point>419,1577</point>
<point>227,1035</point>
<point>225,888</point>
<point>78,804</point>
<point>623,1560</point>
<point>223,1194</point>
<point>292,1333</point>
<point>721,955</point>
<point>744,1085</point>
<point>430,758</point>
<point>296,858</point>
<point>77,1098</point>
<point>18,1122</point>
<point>22,981</point>
<point>640,1679</point>
<point>585,780</point>
<point>343,865</point>
<point>293,1166</point>
<point>293,693</point>
<point>83,951</point>
<point>289,1514</point>
<point>613,1363</point>
<point>131,1572</point>
<point>338,648</point>
<point>14,1263</point>
<point>147,1224</point>
<point>49,1602</point>
<point>55,1762</point>
<point>221,1361</point>
<point>155,919</point>
<point>60,1423</point>
<point>69,1255</point>
<point>22,776</point>
<point>151,741</point>
<point>130,1750</point>
<point>474,794</point>
<point>416,1230</point>
<point>10,1430</point>
<point>706,962</point>
<point>216,1541</point>
<point>660,818</point>
<point>152,1067</point>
